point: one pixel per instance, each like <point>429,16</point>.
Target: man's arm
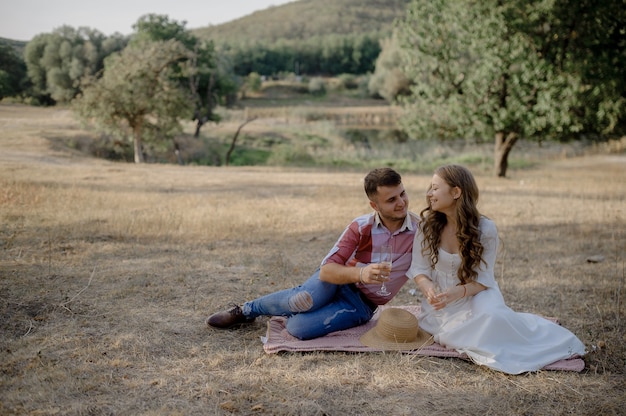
<point>339,274</point>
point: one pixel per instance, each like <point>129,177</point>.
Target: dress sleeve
<point>489,240</point>
<point>420,264</point>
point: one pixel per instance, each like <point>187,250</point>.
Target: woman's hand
<point>430,291</point>
<point>441,299</point>
<point>436,297</point>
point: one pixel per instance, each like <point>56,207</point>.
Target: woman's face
<point>441,196</point>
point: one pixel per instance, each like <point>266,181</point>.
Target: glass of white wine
<point>438,291</point>
<point>385,260</point>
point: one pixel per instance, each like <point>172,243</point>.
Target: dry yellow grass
<point>108,270</point>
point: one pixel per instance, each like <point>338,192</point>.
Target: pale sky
<point>23,19</point>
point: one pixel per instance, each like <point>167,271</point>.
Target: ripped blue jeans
<point>313,309</point>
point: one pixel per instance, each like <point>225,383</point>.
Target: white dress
<point>482,326</point>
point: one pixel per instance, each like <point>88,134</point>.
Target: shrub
<point>317,86</point>
<point>349,81</point>
<point>285,154</point>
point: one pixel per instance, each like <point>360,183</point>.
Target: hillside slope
<point>304,19</point>
<point>18,45</point>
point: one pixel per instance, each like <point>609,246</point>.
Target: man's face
<point>391,202</point>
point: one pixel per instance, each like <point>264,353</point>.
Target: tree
<point>12,72</point>
<point>156,27</point>
<point>388,80</point>
<point>205,78</point>
<point>252,83</point>
<point>139,96</point>
<point>493,69</point>
<point>233,143</point>
<point>588,38</point>
<point>57,61</point>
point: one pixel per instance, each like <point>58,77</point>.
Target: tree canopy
<point>57,61</point>
<point>389,80</point>
<point>12,71</point>
<point>139,97</point>
<point>209,78</point>
<point>510,70</point>
<point>164,74</point>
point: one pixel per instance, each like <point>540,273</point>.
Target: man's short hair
<point>380,177</point>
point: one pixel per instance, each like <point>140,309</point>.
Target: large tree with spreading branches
<point>505,70</point>
<point>139,97</point>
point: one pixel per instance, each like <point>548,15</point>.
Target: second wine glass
<point>385,260</point>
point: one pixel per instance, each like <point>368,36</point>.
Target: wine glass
<point>438,291</point>
<point>386,254</point>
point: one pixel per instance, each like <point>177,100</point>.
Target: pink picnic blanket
<point>278,339</point>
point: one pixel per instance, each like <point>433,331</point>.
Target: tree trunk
<point>137,143</point>
<point>209,105</point>
<point>179,157</point>
<point>234,141</point>
<point>504,144</point>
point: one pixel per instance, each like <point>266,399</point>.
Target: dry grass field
<point>108,271</point>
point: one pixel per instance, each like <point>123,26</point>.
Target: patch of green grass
<point>288,155</point>
<point>323,147</point>
<point>249,157</point>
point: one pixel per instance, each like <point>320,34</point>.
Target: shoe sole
<point>238,324</point>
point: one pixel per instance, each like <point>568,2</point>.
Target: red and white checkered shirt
<point>359,245</point>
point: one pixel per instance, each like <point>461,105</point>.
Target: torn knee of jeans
<point>300,302</point>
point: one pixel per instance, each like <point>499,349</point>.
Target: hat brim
<point>372,339</point>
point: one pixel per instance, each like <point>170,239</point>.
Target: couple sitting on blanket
<point>449,250</point>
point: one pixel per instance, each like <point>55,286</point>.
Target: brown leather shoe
<point>228,318</point>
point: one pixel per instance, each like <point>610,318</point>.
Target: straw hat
<point>396,329</point>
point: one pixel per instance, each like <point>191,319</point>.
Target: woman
<point>453,265</point>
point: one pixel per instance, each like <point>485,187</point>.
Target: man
<point>342,293</point>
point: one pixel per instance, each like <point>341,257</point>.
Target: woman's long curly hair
<point>467,219</point>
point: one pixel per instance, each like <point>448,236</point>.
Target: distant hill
<point>305,19</point>
<point>18,45</point>
<point>307,37</point>
<point>300,20</point>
